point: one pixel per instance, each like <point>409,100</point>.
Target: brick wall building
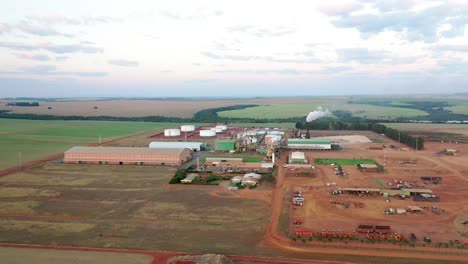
<point>127,156</point>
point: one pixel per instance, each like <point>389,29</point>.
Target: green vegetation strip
<point>344,162</point>
<point>379,183</point>
<point>252,159</point>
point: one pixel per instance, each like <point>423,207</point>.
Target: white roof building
<point>189,178</point>
<point>175,144</point>
<point>251,179</point>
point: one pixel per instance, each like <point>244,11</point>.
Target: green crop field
<point>344,162</point>
<point>37,139</point>
<point>302,109</point>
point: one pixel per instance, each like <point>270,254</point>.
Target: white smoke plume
<point>319,112</point>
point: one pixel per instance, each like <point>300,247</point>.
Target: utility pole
<point>399,141</point>
<point>417,144</point>
<point>384,158</point>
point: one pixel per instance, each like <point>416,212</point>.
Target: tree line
<point>23,104</point>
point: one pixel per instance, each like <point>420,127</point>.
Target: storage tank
<point>173,132</point>
<point>222,127</point>
<point>207,133</point>
<point>187,128</point>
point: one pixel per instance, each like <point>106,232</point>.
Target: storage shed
<point>195,146</point>
<point>368,167</point>
<point>127,156</point>
<point>251,179</point>
<point>297,157</point>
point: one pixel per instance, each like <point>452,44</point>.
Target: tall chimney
<point>308,130</point>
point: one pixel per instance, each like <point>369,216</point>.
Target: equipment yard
<point>338,215</point>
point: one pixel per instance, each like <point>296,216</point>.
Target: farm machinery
<point>325,234</point>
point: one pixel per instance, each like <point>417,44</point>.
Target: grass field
<point>302,109</point>
<point>38,139</point>
<point>344,162</point>
<point>41,256</point>
<point>131,202</point>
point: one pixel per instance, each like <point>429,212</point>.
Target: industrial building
<point>308,144</point>
<point>239,163</point>
<point>297,157</point>
<point>127,156</point>
<point>225,145</point>
<point>251,179</point>
<point>368,167</point>
<point>195,146</point>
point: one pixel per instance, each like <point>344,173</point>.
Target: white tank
<point>187,128</point>
<point>173,132</point>
<point>222,127</point>
<point>218,130</point>
<point>207,133</point>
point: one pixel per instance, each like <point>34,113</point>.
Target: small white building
<point>189,178</point>
<point>251,179</point>
<point>297,157</point>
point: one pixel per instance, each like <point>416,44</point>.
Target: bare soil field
<point>124,207</point>
<point>136,108</point>
<point>324,211</point>
<point>40,256</point>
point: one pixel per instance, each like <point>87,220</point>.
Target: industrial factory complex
<point>175,146</point>
<point>329,175</point>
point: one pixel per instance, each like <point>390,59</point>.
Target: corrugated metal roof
<point>175,144</point>
<point>126,150</point>
<point>225,145</point>
<point>308,142</point>
<point>297,155</point>
<point>368,166</point>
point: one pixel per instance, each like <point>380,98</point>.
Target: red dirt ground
<point>453,185</point>
<point>164,257</point>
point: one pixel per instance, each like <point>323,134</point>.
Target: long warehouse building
<point>309,144</point>
<point>127,156</point>
<point>195,146</point>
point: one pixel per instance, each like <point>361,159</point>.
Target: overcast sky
<point>61,48</point>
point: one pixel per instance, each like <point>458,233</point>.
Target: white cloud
<point>232,41</point>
